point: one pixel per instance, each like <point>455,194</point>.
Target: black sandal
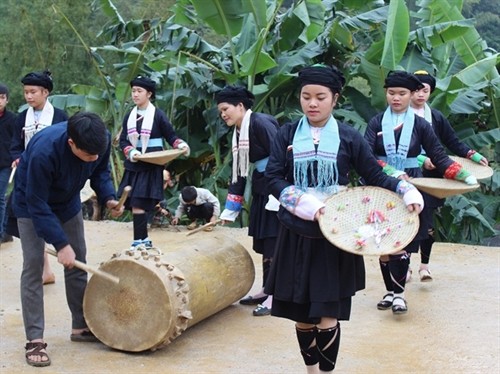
<point>399,309</point>
<point>35,349</point>
<point>385,303</point>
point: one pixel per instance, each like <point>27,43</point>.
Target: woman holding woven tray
<point>144,129</point>
<point>311,280</point>
<point>251,143</point>
<point>449,139</point>
<point>397,137</point>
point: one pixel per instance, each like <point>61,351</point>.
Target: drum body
<point>162,294</point>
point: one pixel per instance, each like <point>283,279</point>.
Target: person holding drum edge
<point>46,201</point>
<point>251,143</point>
<point>39,115</point>
<point>396,138</point>
<point>449,139</point>
<point>144,129</point>
<point>311,280</point>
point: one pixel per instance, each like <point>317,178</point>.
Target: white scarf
<point>32,125</point>
<point>241,148</point>
<point>147,125</point>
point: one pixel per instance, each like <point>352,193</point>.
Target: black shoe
<point>386,302</point>
<point>84,337</point>
<point>7,238</point>
<point>261,310</point>
<point>250,300</point>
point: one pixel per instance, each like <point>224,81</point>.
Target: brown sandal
<point>35,349</point>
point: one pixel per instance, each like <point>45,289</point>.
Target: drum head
<point>368,221</point>
<point>134,315</point>
<point>160,157</point>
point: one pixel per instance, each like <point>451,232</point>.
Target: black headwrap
<point>403,79</point>
<point>235,95</point>
<point>42,79</point>
<point>425,77</point>
<point>4,90</point>
<point>146,83</point>
<point>323,75</point>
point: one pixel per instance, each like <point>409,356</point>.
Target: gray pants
<point>31,278</point>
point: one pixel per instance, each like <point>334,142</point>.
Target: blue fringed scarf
<point>396,156</point>
<point>305,154</point>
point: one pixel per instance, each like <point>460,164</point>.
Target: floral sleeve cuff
<point>475,156</point>
<point>299,203</point>
<point>289,197</point>
<point>234,202</point>
<point>403,187</point>
<point>457,172</point>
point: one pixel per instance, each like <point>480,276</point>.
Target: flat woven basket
<point>368,221</point>
<point>160,157</point>
<point>477,170</point>
<point>442,188</point>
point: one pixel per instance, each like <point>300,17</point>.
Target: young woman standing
<point>144,129</point>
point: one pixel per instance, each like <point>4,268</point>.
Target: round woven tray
<point>160,157</point>
<point>346,221</point>
<point>477,170</point>
<point>442,188</point>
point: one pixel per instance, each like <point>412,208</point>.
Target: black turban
<point>235,95</point>
<point>403,79</point>
<point>146,83</point>
<point>323,75</point>
<point>4,90</point>
<point>42,79</point>
<point>425,77</point>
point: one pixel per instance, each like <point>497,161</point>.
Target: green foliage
<point>35,38</point>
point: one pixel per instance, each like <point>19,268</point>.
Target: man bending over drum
<point>46,200</point>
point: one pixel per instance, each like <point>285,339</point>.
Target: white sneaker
<point>425,275</point>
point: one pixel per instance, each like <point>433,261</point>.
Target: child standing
<point>39,115</point>
<point>144,130</point>
<point>198,204</point>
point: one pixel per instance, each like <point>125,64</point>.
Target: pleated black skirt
<point>310,278</point>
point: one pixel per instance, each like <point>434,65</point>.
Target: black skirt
<point>310,278</point>
<point>147,188</point>
<point>263,226</point>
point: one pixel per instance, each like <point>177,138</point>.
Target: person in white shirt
<point>197,204</point>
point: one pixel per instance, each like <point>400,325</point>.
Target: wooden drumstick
<point>123,197</point>
<point>12,173</point>
<point>203,227</point>
<point>89,269</point>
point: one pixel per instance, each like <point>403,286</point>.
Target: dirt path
<point>453,323</point>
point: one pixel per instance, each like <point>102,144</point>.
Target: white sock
<point>399,302</point>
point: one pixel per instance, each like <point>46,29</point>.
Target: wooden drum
<point>161,295</point>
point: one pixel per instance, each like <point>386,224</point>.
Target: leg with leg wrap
<point>328,342</point>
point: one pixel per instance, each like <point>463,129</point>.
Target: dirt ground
<point>453,323</point>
